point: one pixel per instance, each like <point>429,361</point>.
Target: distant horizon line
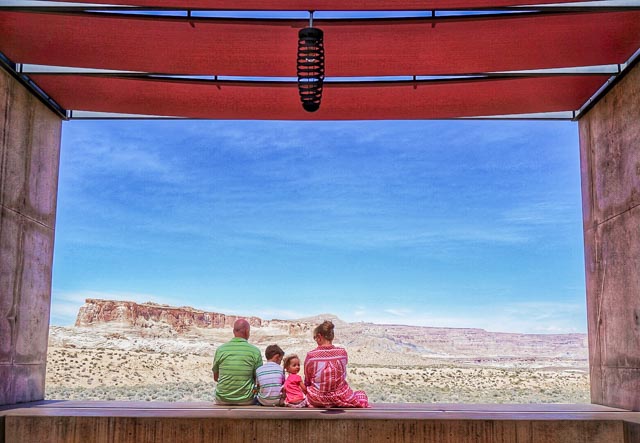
<point>311,318</point>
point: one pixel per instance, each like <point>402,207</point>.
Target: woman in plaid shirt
<point>325,373</point>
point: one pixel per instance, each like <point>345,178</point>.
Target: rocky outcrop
<point>291,327</point>
<point>143,315</point>
<point>368,343</point>
<point>463,342</point>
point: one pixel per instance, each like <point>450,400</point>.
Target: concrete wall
<point>82,429</point>
<point>29,157</point>
<point>610,164</point>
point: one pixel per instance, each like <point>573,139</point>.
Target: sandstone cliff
<point>154,326</point>
<point>95,312</point>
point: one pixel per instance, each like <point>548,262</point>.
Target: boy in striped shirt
<point>270,377</point>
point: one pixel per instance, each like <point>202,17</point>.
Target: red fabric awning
<point>268,101</point>
<point>353,48</point>
<point>323,5</point>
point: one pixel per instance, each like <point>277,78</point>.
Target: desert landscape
<point>128,351</point>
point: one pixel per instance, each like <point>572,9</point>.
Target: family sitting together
<point>244,380</point>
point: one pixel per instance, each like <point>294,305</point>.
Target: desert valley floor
<point>394,363</point>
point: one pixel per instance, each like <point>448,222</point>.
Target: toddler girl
<point>294,387</point>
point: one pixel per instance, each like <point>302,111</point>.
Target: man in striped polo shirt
<point>234,368</point>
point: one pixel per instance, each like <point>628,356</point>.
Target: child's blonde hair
<point>288,358</point>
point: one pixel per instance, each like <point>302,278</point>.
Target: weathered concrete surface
<point>29,158</point>
<point>610,165</point>
<point>139,422</point>
<point>631,432</point>
<point>197,430</point>
<point>123,429</point>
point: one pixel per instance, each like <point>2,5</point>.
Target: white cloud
<point>541,213</point>
<point>300,199</point>
<point>98,150</point>
<point>398,312</point>
<point>359,312</point>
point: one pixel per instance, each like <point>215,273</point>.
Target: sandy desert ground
<point>111,364</point>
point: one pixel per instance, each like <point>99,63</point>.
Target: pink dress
<point>292,389</point>
<point>325,373</point>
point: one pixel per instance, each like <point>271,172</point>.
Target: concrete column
<point>610,165</point>
<point>29,157</point>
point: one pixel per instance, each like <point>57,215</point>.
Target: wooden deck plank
<point>441,407</point>
<point>322,414</point>
<point>200,422</point>
<point>580,412</point>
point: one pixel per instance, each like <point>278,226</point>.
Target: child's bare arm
<point>303,387</point>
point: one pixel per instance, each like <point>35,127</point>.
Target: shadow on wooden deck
<point>129,422</point>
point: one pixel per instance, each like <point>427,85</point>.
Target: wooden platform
<point>140,422</point>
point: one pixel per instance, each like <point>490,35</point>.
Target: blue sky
<point>438,223</point>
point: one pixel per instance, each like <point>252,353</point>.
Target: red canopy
<point>323,5</point>
<point>353,48</point>
<point>269,101</point>
<point>460,45</point>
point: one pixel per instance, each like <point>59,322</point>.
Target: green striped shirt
<point>236,362</point>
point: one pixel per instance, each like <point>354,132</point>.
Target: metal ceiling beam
<point>90,115</point>
<point>625,69</point>
<point>24,80</point>
<point>432,13</point>
<point>553,72</point>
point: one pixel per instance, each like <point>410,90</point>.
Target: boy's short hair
<point>272,351</point>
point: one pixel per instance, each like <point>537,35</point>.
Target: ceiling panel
<point>269,101</point>
<point>352,48</point>
<point>322,5</point>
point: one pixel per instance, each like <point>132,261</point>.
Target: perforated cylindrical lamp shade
<point>310,67</point>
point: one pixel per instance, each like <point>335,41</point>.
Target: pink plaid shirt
<point>325,373</point>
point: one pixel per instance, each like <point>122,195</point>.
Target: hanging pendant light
<point>310,66</point>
